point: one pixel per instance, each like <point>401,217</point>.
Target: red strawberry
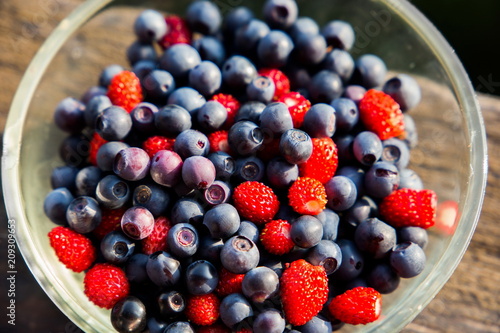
<point>218,142</point>
<point>275,237</point>
<point>215,328</point>
<point>95,143</point>
<point>307,196</point>
<point>105,285</point>
<point>202,309</point>
<point>157,240</point>
<point>381,114</point>
<point>255,202</point>
<point>360,305</point>
<point>232,106</point>
<point>125,90</point>
<point>178,32</point>
<point>268,149</point>
<point>409,208</point>
<point>303,290</point>
<point>281,81</point>
<point>323,161</point>
<point>153,144</point>
<point>110,221</point>
<point>229,283</point>
<point>74,250</point>
<point>298,105</point>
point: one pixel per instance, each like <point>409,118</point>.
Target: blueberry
<point>183,240</point>
<point>152,197</point>
<point>92,92</point>
<point>113,124</point>
<point>56,204</point>
<point>300,78</point>
<point>87,179</point>
<point>112,192</point>
<point>261,89</point>
<point>354,92</point>
<point>157,86</point>
<point>179,59</point>
<point>411,137</point>
<point>367,148</point>
<point>107,153</point>
<point>238,72</point>
<point>410,179</point>
<point>95,107</point>
<point>83,214</point>
<point>172,120</point>
<point>64,176</point>
<point>69,115</point>
<point>344,145</point>
<point>211,116</point>
<point>369,71</point>
<point>191,143</point>
<point>171,304</point>
<point>295,146</point>
<point>150,26</point>
<point>330,221</point>
<point>249,168</point>
<point>317,324</point>
<point>375,237</point>
<point>352,261</point>
<point>239,255</point>
<point>383,278</point>
<point>201,278</point>
<point>156,325</point>
<point>135,269</point>
<point>217,193</point>
<point>259,284</point>
<point>224,164</point>
<point>234,308</point>
<point>206,78</point>
<point>405,90</point>
<point>396,151</point>
<point>269,321</point>
<point>143,67</point>
<point>143,117</point>
<point>245,137</point>
<point>248,36</point>
<point>319,121</point>
<point>222,220</point>
<point>276,119</point>
<point>415,235</point>
<point>74,150</point>
<point>179,327</point>
<point>250,111</point>
<point>303,26</point>
<point>274,49</point>
<point>408,259</point>
<point>280,173</point>
<point>327,254</point>
<point>117,248</point>
<point>249,230</point>
<point>236,18</point>
<point>131,164</point>
<point>325,86</point>
<point>129,315</point>
<point>381,179</point>
<point>211,249</point>
<point>198,172</point>
<point>163,270</point>
<point>280,14</point>
<point>339,34</point>
<point>306,231</point>
<point>346,114</point>
<point>108,73</point>
<point>310,49</point>
<point>187,211</point>
<point>340,62</point>
<point>211,49</point>
<point>341,193</point>
<point>354,173</point>
<point>138,51</point>
<point>204,17</point>
<point>188,98</point>
<point>137,222</point>
<point>362,209</point>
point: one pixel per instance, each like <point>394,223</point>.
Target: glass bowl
<point>450,157</point>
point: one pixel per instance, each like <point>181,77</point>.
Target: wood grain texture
<point>469,302</point>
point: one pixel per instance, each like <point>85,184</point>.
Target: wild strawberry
<point>232,106</point>
<point>74,250</point>
<point>202,309</point>
<point>409,208</point>
<point>381,114</point>
<point>275,237</point>
<point>268,149</point>
<point>178,32</point>
<point>281,81</point>
<point>255,202</point>
<point>157,240</point>
<point>323,161</point>
<point>297,104</point>
<point>307,196</point>
<point>218,142</point>
<point>153,144</point>
<point>303,290</point>
<point>229,283</point>
<point>447,216</point>
<point>110,221</point>
<point>360,305</point>
<point>95,143</point>
<point>105,284</point>
<point>125,90</point>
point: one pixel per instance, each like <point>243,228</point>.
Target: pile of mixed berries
<point>242,175</point>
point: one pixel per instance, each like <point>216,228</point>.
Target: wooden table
<point>469,302</point>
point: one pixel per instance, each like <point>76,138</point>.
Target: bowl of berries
<point>239,166</point>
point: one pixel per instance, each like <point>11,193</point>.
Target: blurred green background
<point>473,30</point>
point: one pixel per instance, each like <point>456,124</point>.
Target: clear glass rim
<point>465,94</point>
